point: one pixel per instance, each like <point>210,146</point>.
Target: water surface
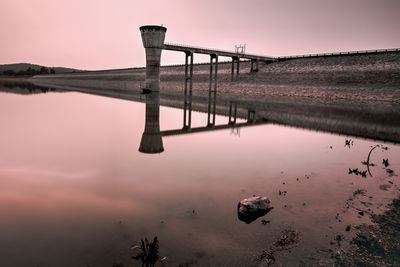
<point>75,190</point>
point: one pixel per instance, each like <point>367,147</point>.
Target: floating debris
<point>264,222</point>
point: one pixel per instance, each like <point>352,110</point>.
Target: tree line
<point>29,72</point>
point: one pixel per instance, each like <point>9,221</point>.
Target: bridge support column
<point>254,65</point>
<point>187,105</point>
<point>233,76</point>
<point>233,69</point>
<point>237,68</point>
<point>232,117</point>
<point>212,94</point>
<point>153,42</point>
<point>251,116</point>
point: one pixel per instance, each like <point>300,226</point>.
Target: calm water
<point>75,190</point>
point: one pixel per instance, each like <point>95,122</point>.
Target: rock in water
<point>249,209</point>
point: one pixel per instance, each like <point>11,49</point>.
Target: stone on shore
<point>249,209</point>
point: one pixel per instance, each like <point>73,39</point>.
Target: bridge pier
<point>254,65</point>
<point>187,105</point>
<point>153,42</point>
<point>251,116</point>
<point>232,117</point>
<point>233,76</point>
<point>212,94</point>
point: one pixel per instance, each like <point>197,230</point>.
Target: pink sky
<point>104,34</point>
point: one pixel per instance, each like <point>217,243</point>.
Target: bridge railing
<point>343,53</point>
<point>213,49</point>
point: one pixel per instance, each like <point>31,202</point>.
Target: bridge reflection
<point>368,124</point>
<point>151,141</point>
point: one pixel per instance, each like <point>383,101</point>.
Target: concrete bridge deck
<point>216,52</point>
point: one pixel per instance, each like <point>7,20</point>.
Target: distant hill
<point>24,66</point>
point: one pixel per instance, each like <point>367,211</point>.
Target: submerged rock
<point>250,209</point>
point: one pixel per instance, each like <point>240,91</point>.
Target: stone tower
<point>153,42</point>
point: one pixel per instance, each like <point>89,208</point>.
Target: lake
<point>76,191</point>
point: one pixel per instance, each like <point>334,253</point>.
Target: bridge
<point>215,53</point>
<point>153,41</point>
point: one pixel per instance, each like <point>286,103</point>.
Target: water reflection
<point>24,87</point>
<point>78,183</point>
<point>151,141</point>
<point>373,124</point>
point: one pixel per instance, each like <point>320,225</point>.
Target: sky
<point>104,34</point>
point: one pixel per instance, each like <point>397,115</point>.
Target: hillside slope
<point>24,66</point>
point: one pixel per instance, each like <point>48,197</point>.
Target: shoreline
<point>316,93</point>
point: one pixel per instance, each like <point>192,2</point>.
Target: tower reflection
<point>152,138</point>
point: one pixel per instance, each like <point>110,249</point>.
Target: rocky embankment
<point>331,78</point>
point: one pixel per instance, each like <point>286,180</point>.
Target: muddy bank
<point>377,244</point>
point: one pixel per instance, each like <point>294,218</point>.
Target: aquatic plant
<point>348,143</point>
<point>385,162</point>
<point>357,172</point>
<point>147,252</point>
